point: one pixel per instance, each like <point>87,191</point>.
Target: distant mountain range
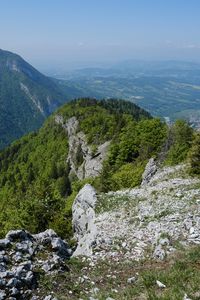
<point>26,97</point>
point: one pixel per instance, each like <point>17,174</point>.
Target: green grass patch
<point>179,272</point>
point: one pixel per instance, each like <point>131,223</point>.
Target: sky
<point>71,33</point>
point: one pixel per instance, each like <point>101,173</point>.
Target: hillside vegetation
<point>36,191</point>
<point>26,97</point>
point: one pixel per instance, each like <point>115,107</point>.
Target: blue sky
<point>64,32</point>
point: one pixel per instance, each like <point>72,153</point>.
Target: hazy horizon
<point>76,34</point>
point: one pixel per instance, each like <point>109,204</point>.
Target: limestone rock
<point>164,242</point>
<point>159,253</point>
<point>61,247</point>
<point>46,236</point>
<point>160,284</point>
<point>90,164</point>
<point>21,235</point>
<point>131,280</point>
<point>23,255</point>
<point>4,243</point>
<point>149,171</point>
<point>83,220</point>
<point>2,295</point>
<point>186,297</point>
<point>50,297</point>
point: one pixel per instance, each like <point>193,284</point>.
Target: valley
<point>166,89</point>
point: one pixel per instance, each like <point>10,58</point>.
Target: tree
<point>182,135</point>
<point>194,155</point>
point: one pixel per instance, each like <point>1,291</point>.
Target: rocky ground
<point>149,221</point>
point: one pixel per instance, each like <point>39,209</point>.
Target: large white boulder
<point>83,220</point>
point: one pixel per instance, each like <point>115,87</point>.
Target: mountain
<point>26,97</point>
<point>104,176</point>
<point>47,167</point>
<point>107,143</point>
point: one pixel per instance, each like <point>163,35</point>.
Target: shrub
<point>128,176</point>
<point>181,134</point>
<point>194,156</point>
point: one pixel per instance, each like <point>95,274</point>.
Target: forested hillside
<point>36,185</point>
<point>26,97</point>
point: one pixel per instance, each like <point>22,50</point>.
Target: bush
<point>181,135</point>
<point>194,156</point>
<point>128,176</point>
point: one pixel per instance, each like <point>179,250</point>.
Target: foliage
<point>129,152</point>
<point>128,176</point>
<point>102,120</point>
<point>143,139</point>
<point>26,97</point>
<point>181,135</point>
<point>34,179</point>
<point>194,156</point>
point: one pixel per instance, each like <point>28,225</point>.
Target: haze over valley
<point>167,89</point>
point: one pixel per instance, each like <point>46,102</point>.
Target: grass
<point>164,235</point>
<point>107,203</point>
<point>180,273</point>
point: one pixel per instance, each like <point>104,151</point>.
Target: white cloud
<point>191,46</point>
<point>81,44</point>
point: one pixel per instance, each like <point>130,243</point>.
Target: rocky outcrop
<point>83,162</point>
<point>84,220</point>
<point>23,255</point>
<point>149,172</point>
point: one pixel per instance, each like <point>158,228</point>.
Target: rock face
<point>83,162</point>
<point>84,220</point>
<point>22,255</point>
<point>149,171</point>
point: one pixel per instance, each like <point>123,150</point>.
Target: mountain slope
<point>146,246</point>
<point>104,143</point>
<point>26,97</point>
<point>39,172</point>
